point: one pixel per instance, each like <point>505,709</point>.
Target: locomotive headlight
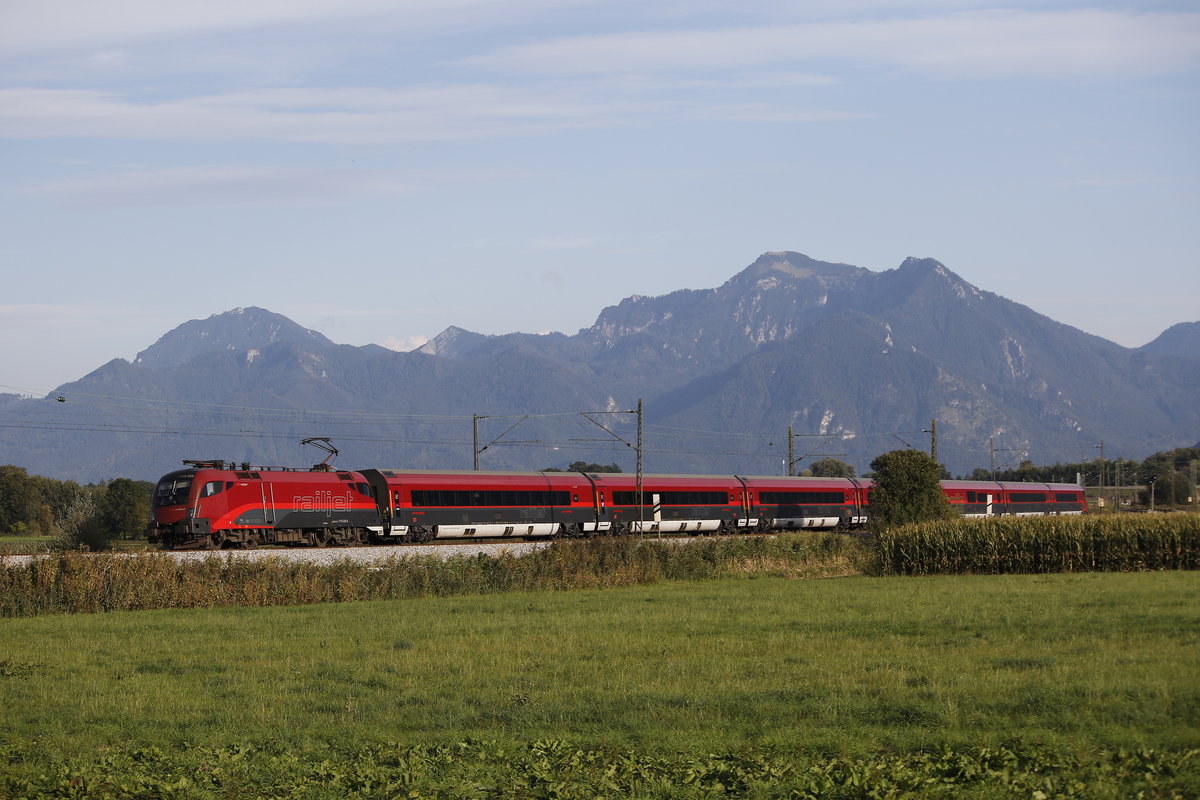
<point>191,513</point>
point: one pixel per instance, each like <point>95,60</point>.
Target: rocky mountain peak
<point>249,328</point>
<point>792,267</point>
<point>453,342</point>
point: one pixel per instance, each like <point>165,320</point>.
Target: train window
<point>804,498</point>
<point>670,498</point>
<point>692,498</point>
<point>172,492</point>
<point>511,499</point>
<point>363,488</point>
<point>211,488</point>
<point>1027,497</point>
<point>1066,497</point>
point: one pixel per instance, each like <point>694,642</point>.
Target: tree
<point>831,468</point>
<point>124,507</point>
<point>18,500</point>
<point>583,466</point>
<point>907,489</point>
<point>1169,488</point>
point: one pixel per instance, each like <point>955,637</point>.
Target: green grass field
<point>754,682</point>
<point>847,666</point>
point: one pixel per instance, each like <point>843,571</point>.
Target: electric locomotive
<point>213,504</point>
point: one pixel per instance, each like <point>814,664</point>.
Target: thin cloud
<point>53,24</point>
<point>355,115</point>
<point>990,43</point>
<point>222,184</point>
<point>351,115</point>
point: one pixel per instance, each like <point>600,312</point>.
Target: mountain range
<point>856,362</point>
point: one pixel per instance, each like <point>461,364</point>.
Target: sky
<point>379,170</point>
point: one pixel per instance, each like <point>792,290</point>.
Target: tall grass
<point>1042,544</point>
<point>73,582</point>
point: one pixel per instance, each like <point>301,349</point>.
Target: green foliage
<point>1166,487</point>
<point>18,500</point>
<point>76,516</point>
<point>32,505</point>
<point>555,768</point>
<point>80,528</point>
<point>124,507</point>
<point>831,468</point>
<point>1042,544</point>
<point>907,489</point>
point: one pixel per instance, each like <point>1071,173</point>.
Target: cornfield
<point>1042,544</point>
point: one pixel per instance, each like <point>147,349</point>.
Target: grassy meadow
<point>1088,669</point>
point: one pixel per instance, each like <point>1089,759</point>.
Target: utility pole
<point>475,438</point>
<point>992,450</point>
<point>639,493</point>
<point>932,431</point>
<point>475,431</point>
<point>791,470</point>
<point>1102,471</point>
<point>641,505</point>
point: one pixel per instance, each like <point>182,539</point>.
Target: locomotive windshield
<point>173,490</point>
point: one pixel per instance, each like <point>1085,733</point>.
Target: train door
<point>748,518</point>
<point>858,510</point>
<point>600,522</point>
<point>267,504</point>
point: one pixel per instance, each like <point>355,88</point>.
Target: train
<point>214,504</point>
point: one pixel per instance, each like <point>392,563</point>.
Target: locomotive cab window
<point>172,492</point>
<point>211,488</point>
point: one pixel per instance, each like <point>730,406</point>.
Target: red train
<point>213,504</point>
